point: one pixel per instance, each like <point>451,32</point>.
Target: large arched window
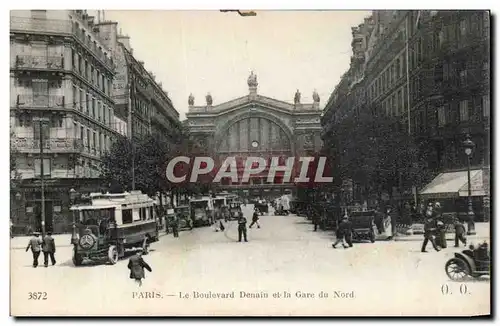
<point>254,135</point>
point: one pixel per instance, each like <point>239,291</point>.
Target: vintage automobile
<point>234,210</point>
<point>182,213</point>
<point>301,208</point>
<point>262,207</point>
<point>219,202</point>
<point>473,262</point>
<point>112,225</point>
<point>363,226</point>
<point>201,211</point>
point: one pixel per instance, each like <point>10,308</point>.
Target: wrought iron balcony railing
<point>40,101</point>
<point>39,62</point>
<point>51,145</point>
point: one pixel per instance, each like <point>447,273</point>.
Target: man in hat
<point>255,218</point>
<point>430,228</point>
<point>49,249</point>
<point>136,265</point>
<point>35,243</point>
<point>343,233</point>
<point>242,227</point>
<point>459,232</point>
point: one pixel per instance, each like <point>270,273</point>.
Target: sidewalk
<point>61,240</point>
<point>482,232</point>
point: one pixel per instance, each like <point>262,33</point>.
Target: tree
<point>376,153</point>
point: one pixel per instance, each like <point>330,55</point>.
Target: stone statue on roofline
<point>209,99</point>
<point>315,97</point>
<point>296,100</point>
<point>252,80</point>
<point>191,100</point>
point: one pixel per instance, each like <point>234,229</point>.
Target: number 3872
<point>37,295</point>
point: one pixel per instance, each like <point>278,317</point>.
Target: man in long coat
<point>35,244</point>
<point>49,249</point>
<point>136,265</point>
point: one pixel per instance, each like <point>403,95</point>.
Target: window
<point>75,99</point>
<point>100,142</point>
<point>446,70</point>
<point>463,77</point>
<point>93,140</point>
<point>86,71</point>
<point>464,110</point>
<point>463,27</point>
<point>46,167</point>
<point>82,133</point>
<point>398,68</point>
<point>93,107</point>
<point>126,216</point>
<point>82,99</point>
<point>88,139</point>
<point>138,215</point>
<point>75,130</point>
<point>486,105</point>
<point>441,116</point>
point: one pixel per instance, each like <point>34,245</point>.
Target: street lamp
<point>469,147</point>
<point>42,120</point>
<point>72,197</point>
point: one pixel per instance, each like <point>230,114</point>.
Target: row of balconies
<point>58,26</point>
<point>52,102</point>
<point>39,62</point>
<point>52,145</point>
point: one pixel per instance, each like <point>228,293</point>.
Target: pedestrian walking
<point>459,232</point>
<point>175,226</point>
<point>136,265</point>
<point>35,243</point>
<point>343,233</point>
<point>49,249</point>
<point>242,227</point>
<point>429,231</point>
<point>255,219</point>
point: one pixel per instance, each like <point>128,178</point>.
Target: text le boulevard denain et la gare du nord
<point>249,295</point>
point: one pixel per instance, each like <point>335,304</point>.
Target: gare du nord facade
<point>255,125</point>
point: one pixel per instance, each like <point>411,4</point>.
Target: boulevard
<point>285,266</point>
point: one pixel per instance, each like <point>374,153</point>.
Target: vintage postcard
<point>250,163</point>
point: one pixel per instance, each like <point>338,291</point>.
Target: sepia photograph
<point>248,162</point>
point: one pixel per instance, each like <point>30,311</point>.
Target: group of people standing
<point>434,228</point>
<point>46,245</point>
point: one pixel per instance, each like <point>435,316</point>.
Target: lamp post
<point>42,120</point>
<point>469,147</point>
<point>72,197</point>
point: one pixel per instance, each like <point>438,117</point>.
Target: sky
<point>209,51</point>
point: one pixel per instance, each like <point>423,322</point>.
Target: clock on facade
<point>255,144</point>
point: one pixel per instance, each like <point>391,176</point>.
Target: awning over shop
<point>454,184</point>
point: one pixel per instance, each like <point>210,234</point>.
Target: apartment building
<point>61,104</point>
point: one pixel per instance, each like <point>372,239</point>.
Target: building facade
<point>142,106</point>
<point>256,125</point>
<point>61,102</point>
<point>73,83</point>
<point>429,68</point>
